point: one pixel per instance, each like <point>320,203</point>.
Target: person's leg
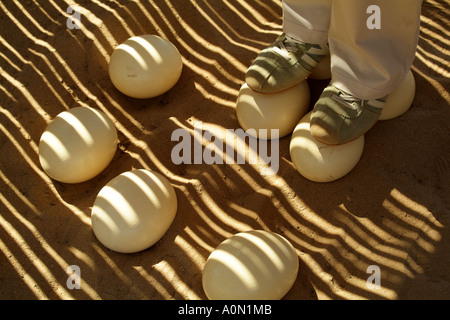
<point>371,53</point>
<point>291,58</point>
<point>370,63</point>
<point>307,20</point>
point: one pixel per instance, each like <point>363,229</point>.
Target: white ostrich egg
<point>265,112</point>
<point>251,265</point>
<point>77,145</point>
<point>401,99</point>
<point>133,211</point>
<point>145,66</point>
<point>320,162</point>
<point>322,70</point>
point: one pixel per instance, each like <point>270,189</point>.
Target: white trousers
<point>372,42</point>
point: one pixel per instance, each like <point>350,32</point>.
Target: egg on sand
<point>265,112</point>
<point>320,162</point>
<point>401,99</point>
<point>145,66</point>
<point>133,211</point>
<point>251,265</point>
<point>322,71</point>
<point>77,145</point>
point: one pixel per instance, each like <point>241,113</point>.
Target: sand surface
<point>392,210</point>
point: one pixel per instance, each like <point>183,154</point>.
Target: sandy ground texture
<point>392,210</point>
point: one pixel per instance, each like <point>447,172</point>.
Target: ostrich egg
<point>251,265</point>
<point>322,70</point>
<point>145,66</point>
<point>77,145</point>
<point>401,99</point>
<point>265,112</point>
<point>133,211</point>
<point>320,162</point>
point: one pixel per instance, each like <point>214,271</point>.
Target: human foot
<point>338,117</point>
<point>284,64</point>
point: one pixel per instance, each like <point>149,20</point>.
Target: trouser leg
<point>307,20</point>
<point>370,63</point>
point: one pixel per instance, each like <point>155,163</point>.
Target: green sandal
<point>338,117</point>
<point>284,64</point>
